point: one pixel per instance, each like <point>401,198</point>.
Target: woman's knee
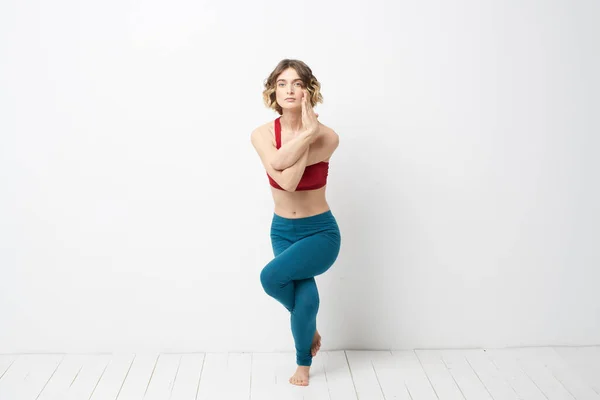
<point>269,278</point>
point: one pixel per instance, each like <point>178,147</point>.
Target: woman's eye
<point>283,84</point>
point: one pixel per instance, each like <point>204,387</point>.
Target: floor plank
<point>441,379</point>
<point>113,378</point>
<point>188,377</point>
<point>532,373</point>
<point>366,380</point>
<point>389,375</point>
<point>571,380</point>
<point>337,375</point>
<point>543,377</point>
<point>5,362</point>
<point>585,361</point>
<point>163,378</point>
<point>271,374</point>
<point>467,380</point>
<point>138,377</point>
<point>494,381</point>
<point>268,382</point>
<point>27,376</point>
<point>61,380</point>
<point>512,372</point>
<point>225,376</point>
<point>417,383</point>
<point>88,377</point>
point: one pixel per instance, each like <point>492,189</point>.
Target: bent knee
<point>269,278</point>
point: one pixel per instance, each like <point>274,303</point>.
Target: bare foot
<point>300,378</point>
<point>316,344</point>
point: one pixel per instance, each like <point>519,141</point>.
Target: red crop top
<point>314,177</point>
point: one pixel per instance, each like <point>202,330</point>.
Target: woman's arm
<point>323,148</point>
<point>289,153</point>
<point>289,178</point>
<point>320,149</point>
<point>292,175</point>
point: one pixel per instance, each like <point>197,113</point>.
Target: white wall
<point>135,214</point>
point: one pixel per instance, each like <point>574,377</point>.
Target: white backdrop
<point>135,214</point>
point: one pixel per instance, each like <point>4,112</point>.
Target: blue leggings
<point>303,248</point>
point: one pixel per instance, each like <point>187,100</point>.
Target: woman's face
<point>288,89</point>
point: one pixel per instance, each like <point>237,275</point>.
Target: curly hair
<point>309,81</point>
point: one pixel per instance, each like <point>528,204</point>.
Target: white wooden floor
<point>545,373</point>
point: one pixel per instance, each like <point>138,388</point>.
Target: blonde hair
<point>309,81</point>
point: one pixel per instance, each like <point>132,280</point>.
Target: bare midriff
<point>300,204</point>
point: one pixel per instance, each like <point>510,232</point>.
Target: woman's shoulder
<point>328,130</point>
<point>268,128</point>
<point>265,129</point>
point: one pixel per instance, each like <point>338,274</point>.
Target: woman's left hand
<point>309,117</point>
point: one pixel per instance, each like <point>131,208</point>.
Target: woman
<point>295,150</point>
